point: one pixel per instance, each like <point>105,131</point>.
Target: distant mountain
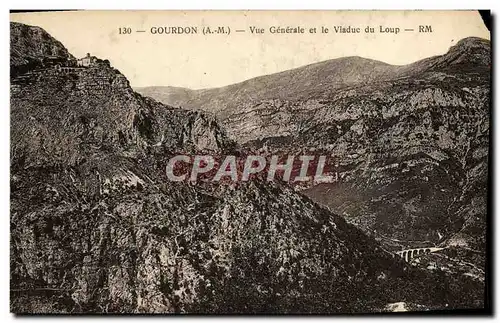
<point>297,83</point>
<point>176,96</point>
<point>411,142</point>
<point>312,81</point>
<point>96,227</point>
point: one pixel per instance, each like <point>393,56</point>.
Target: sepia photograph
<point>250,162</point>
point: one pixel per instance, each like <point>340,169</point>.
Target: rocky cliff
<point>31,47</point>
<point>96,227</point>
<point>409,143</point>
<point>63,117</point>
<point>418,131</point>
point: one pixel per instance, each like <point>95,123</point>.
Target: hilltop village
<point>84,62</point>
<point>91,71</point>
<point>62,64</point>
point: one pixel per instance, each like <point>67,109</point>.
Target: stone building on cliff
<point>87,61</point>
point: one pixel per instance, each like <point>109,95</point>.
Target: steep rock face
<point>407,157</point>
<point>411,154</point>
<point>189,130</point>
<point>96,228</point>
<point>100,114</point>
<point>83,241</point>
<point>31,47</point>
<point>409,142</point>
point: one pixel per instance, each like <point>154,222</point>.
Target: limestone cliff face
<point>63,117</point>
<point>406,149</point>
<point>31,47</point>
<point>410,142</point>
<point>87,240</point>
<point>95,226</point>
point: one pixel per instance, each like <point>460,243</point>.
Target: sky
<point>205,61</point>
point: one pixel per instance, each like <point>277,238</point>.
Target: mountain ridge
<point>270,86</point>
<point>96,229</point>
<point>411,148</point>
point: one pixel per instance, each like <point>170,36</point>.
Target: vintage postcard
<point>249,162</point>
